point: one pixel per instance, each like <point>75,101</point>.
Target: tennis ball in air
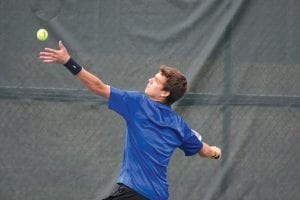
<point>42,34</point>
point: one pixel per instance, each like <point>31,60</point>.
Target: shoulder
<point>125,95</point>
<point>118,91</point>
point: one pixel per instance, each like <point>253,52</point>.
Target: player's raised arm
<point>89,80</point>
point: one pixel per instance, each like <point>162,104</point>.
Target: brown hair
<point>176,83</point>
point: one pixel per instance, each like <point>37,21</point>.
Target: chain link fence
<point>58,141</point>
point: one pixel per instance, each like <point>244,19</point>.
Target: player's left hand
<point>60,55</point>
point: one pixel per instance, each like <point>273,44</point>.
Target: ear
<point>165,93</point>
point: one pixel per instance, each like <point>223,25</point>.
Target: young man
<point>153,129</point>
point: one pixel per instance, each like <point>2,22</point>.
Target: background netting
<point>58,141</point>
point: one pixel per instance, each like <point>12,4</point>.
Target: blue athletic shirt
<point>153,132</point>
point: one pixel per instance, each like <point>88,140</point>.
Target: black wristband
<point>73,66</point>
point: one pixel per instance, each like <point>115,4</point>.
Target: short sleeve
<point>122,101</point>
<point>192,144</point>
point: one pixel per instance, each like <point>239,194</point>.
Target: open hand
<point>52,55</point>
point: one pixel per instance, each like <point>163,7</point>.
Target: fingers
<point>48,61</point>
<point>48,57</point>
<point>60,44</point>
<point>217,151</point>
<point>44,53</point>
<point>51,50</point>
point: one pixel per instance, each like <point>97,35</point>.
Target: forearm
<point>90,81</point>
<point>209,151</point>
<point>93,83</point>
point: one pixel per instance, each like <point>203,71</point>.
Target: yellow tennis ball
<point>42,34</point>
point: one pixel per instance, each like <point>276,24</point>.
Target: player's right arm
<point>89,80</point>
<point>94,84</point>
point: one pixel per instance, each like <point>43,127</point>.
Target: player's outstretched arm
<point>94,84</point>
<point>210,151</point>
<point>89,80</point>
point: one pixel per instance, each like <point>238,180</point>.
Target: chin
<point>146,90</point>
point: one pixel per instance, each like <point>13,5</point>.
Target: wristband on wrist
<point>73,66</point>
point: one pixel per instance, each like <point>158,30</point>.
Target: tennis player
<point>153,129</point>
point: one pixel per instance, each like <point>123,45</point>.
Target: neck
<point>158,99</point>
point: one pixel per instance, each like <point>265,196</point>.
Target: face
<point>154,88</point>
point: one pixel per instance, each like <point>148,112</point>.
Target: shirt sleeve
<point>193,143</point>
<point>122,101</point>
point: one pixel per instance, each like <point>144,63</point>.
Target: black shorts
<point>123,192</point>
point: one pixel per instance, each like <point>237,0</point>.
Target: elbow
<point>101,90</point>
<point>95,87</point>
